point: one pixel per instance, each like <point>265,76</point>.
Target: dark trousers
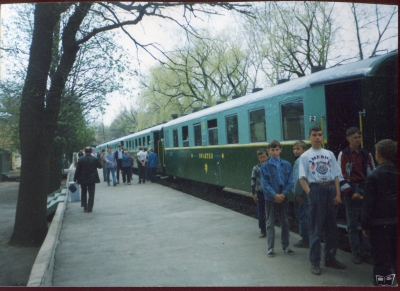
<point>261,212</point>
<point>119,167</point>
<point>152,175</point>
<point>384,251</point>
<point>141,172</point>
<point>126,176</point>
<point>322,217</point>
<point>87,204</point>
<point>301,212</point>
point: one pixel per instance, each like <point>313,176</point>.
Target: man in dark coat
<point>86,175</point>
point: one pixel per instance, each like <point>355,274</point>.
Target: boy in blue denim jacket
<point>277,181</point>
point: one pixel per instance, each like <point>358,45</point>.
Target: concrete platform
<point>151,235</point>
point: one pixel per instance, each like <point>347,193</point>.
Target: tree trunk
<point>36,137</point>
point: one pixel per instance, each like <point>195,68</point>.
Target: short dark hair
<point>145,149</point>
<point>274,144</point>
<point>301,144</point>
<point>88,150</point>
<point>352,130</point>
<point>387,148</point>
<point>261,151</point>
<point>314,128</point>
<point>103,151</point>
<point>140,148</point>
<point>120,145</point>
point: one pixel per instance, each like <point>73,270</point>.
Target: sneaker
<point>288,251</point>
<point>356,259</point>
<point>335,264</point>
<point>302,244</point>
<point>271,253</point>
<point>262,235</point>
<point>316,270</point>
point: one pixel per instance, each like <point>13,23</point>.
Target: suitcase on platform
<point>73,190</point>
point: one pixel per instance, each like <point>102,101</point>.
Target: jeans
<point>261,212</point>
<point>353,210</point>
<point>112,170</point>
<point>281,210</point>
<point>322,216</point>
<point>301,212</point>
<point>384,250</point>
<point>88,203</point>
<point>119,167</point>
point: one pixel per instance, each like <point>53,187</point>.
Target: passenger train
<point>218,145</point>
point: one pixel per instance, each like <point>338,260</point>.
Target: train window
<point>175,138</point>
<point>197,135</point>
<point>257,125</point>
<point>185,136</point>
<point>148,140</point>
<point>166,139</point>
<point>140,142</point>
<point>293,120</point>
<point>232,132</point>
<point>135,143</point>
<point>144,141</point>
<point>212,132</point>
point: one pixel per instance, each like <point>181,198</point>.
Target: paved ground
<point>15,262</point>
<point>151,235</point>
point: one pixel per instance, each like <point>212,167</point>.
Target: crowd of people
<point>319,182</point>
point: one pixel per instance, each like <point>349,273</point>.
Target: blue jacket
<point>152,160</point>
<point>126,161</point>
<point>270,179</point>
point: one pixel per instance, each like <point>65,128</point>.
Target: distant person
<point>141,160</point>
<point>118,156</point>
<point>152,161</point>
<point>319,175</point>
<point>277,182</point>
<point>62,164</point>
<point>80,154</point>
<point>355,163</point>
<point>103,164</point>
<point>301,203</point>
<point>379,212</point>
<point>132,162</point>
<point>257,190</point>
<point>146,172</point>
<point>126,167</point>
<point>86,175</point>
<point>111,166</point>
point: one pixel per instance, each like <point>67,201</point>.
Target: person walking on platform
<point>257,190</point>
<point>277,182</point>
<point>319,175</point>
<point>355,163</point>
<point>301,203</point>
<point>141,160</point>
<point>111,165</point>
<point>126,167</point>
<point>86,175</point>
<point>118,157</point>
<point>379,213</point>
<point>152,162</point>
<point>103,164</point>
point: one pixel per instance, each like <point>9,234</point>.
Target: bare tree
<point>374,25</point>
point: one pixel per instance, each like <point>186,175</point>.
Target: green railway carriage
<point>218,145</point>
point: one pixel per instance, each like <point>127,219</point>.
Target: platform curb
<point>42,269</point>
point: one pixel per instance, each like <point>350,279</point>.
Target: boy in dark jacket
<point>379,213</point>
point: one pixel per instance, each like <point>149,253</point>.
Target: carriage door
<point>343,106</point>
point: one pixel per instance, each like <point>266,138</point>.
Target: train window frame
<point>148,140</point>
<point>185,136</point>
<point>212,126</point>
<point>254,126</point>
<point>288,123</point>
<point>198,141</point>
<point>175,139</point>
<point>232,138</point>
